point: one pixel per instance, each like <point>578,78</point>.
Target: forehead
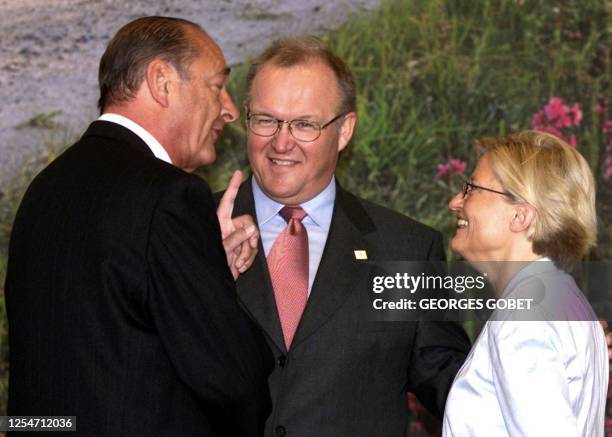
<point>483,172</point>
<point>210,60</point>
<point>300,90</point>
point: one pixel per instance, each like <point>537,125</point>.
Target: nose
<point>283,141</point>
<point>456,203</point>
<point>229,111</point>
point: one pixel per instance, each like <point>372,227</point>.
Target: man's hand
<point>240,235</point>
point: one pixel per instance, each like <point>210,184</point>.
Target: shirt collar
<point>319,208</point>
<point>157,149</point>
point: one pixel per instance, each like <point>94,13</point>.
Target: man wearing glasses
<point>335,374</point>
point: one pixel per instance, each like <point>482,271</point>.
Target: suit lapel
<point>339,273</point>
<point>254,286</point>
<point>338,276</point>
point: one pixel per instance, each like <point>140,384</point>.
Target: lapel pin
<point>360,254</point>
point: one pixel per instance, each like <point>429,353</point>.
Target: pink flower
<point>558,112</point>
<point>563,119</point>
<point>454,167</point>
<point>552,130</point>
<point>608,173</point>
<point>555,116</point>
<point>554,107</point>
<point>538,120</point>
<point>577,114</point>
<point>458,167</point>
<point>607,127</point>
<point>602,106</point>
<point>443,170</point>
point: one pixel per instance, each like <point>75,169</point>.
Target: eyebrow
<point>221,75</point>
<point>303,117</point>
<point>224,72</point>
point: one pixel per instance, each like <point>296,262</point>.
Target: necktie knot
<point>292,212</point>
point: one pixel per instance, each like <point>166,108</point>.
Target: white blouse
<point>534,378</point>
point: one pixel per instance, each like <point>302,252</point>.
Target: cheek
<point>480,221</point>
<point>258,146</point>
<point>256,151</point>
<point>206,106</point>
<point>215,111</point>
<point>489,229</point>
<point>322,160</point>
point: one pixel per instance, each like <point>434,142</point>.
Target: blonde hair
<point>544,171</point>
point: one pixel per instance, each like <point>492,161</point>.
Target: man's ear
<point>159,77</point>
<point>346,130</point>
<point>524,215</point>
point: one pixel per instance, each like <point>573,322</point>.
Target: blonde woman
<point>530,200</point>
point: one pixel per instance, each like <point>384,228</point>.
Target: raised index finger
<point>226,205</point>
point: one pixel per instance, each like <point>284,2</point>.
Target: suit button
<point>280,431</point>
<point>281,363</point>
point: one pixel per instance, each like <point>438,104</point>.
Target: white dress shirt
<point>534,378</point>
<point>157,149</point>
<point>319,209</point>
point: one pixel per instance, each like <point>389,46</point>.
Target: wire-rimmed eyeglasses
<point>467,187</point>
<point>302,130</point>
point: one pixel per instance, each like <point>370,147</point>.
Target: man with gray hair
<point>120,286</point>
<point>336,374</point>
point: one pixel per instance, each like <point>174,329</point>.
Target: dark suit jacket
<point>345,376</point>
<point>121,307</point>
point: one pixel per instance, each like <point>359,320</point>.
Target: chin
<point>273,187</point>
<point>278,195</point>
<point>207,158</point>
<point>455,246</point>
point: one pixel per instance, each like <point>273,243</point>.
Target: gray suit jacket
<point>345,376</point>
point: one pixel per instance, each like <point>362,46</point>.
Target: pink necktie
<point>288,266</point>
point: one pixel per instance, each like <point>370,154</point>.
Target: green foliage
<point>44,119</point>
<point>7,213</point>
<point>432,76</point>
<point>251,11</point>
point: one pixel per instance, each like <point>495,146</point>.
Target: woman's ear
<point>524,215</point>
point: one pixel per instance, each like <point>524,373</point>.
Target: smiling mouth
<point>282,162</point>
<point>462,223</point>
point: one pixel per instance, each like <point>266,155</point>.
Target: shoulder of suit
<point>113,158</point>
<point>169,180</point>
<point>389,219</point>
